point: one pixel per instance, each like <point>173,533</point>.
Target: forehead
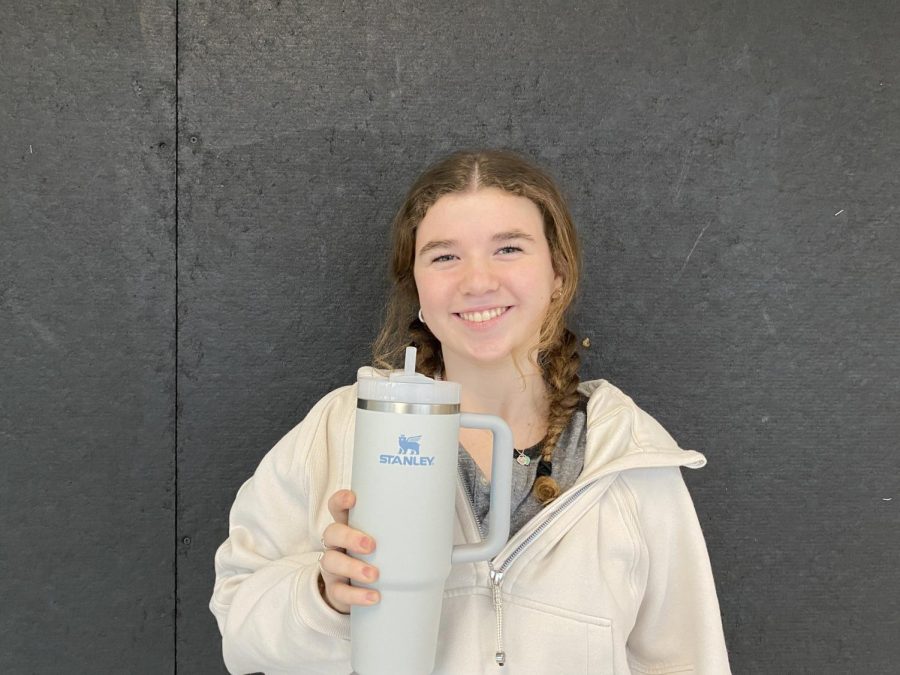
<point>480,211</point>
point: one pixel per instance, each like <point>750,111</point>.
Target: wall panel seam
<point>176,416</point>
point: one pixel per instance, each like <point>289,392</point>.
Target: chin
<point>487,356</point>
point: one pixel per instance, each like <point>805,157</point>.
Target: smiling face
<point>484,275</point>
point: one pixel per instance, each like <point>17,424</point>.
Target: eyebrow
<point>500,236</point>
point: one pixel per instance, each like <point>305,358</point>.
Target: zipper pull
<point>497,579</point>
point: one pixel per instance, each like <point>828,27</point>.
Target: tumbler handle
<point>501,489</point>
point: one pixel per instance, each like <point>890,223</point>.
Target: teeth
<point>478,317</point>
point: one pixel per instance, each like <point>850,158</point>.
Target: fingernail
<point>372,596</point>
<point>366,543</point>
<point>368,573</point>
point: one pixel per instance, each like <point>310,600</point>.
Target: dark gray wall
<point>733,171</point>
<point>87,337</point>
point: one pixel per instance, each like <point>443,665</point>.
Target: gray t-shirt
<point>567,463</point>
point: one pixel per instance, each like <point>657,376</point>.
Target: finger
<point>337,535</point>
<point>341,596</point>
<point>341,565</point>
<point>339,505</point>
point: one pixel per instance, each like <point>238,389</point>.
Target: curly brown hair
<point>557,349</point>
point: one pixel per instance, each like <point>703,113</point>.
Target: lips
<point>483,315</point>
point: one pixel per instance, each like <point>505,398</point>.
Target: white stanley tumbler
<point>404,475</point>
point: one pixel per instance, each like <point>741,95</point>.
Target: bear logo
<point>408,444</point>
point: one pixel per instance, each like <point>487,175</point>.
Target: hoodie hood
<point>621,436</point>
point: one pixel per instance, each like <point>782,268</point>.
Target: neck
<point>517,396</point>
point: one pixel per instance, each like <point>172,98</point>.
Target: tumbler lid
<point>405,386</point>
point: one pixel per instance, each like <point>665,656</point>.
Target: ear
<point>557,282</point>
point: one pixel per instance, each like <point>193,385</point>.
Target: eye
<point>509,249</point>
<point>443,258</point>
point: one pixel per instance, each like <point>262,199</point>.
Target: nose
<point>478,278</point>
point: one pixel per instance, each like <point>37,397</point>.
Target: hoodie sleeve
<point>678,628</point>
<point>266,598</point>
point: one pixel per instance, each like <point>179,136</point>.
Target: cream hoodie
<point>611,578</point>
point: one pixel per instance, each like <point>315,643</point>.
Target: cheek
<point>418,278</point>
<point>425,287</point>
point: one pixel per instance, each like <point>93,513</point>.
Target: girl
<point>605,571</point>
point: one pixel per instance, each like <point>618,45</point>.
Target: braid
<point>560,365</point>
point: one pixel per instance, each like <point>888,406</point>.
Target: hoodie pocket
<point>542,639</point>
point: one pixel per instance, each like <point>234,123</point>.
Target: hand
<point>338,568</point>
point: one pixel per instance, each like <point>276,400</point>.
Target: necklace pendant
<point>523,459</point>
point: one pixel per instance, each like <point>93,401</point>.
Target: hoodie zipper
<point>467,492</point>
<point>496,580</point>
<point>496,574</point>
